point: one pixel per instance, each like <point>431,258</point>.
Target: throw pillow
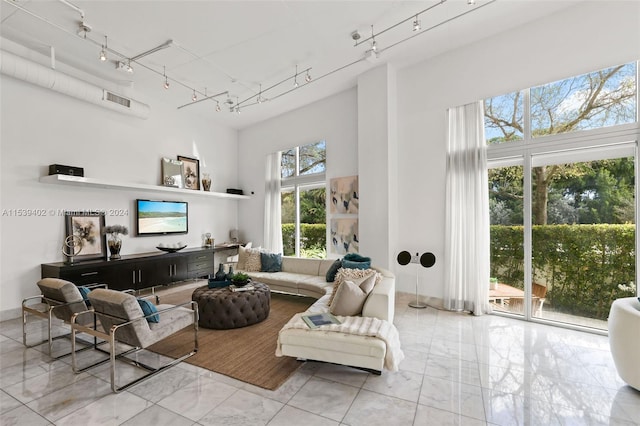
<point>349,300</point>
<point>149,308</point>
<point>333,270</point>
<point>270,262</point>
<point>355,257</point>
<point>350,264</point>
<point>243,255</point>
<point>84,291</point>
<point>253,263</point>
<point>355,275</point>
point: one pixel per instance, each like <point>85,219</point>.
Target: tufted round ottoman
<point>221,308</point>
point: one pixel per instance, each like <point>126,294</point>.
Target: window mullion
<point>526,115</point>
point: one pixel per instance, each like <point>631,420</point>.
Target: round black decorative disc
<point>427,259</point>
<point>404,257</point>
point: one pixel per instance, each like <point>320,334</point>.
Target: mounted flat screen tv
<point>155,217</point>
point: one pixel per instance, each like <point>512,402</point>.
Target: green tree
<point>597,99</point>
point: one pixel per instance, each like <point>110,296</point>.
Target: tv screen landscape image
<point>162,217</point>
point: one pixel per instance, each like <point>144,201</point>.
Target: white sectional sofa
<point>307,277</point>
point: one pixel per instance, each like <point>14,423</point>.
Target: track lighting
<point>129,69</point>
<point>307,77</point>
<point>374,45</point>
<point>416,24</point>
<point>295,79</point>
<point>259,99</point>
<point>471,2</point>
<point>218,106</point>
<point>194,97</point>
<point>166,80</point>
<point>103,52</point>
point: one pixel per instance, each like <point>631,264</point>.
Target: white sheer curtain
<point>467,212</point>
<point>272,215</point>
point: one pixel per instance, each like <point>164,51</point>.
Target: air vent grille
<point>118,100</point>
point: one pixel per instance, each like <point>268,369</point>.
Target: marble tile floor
<point>458,370</point>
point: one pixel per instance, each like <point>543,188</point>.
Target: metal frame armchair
<point>60,299</point>
<point>124,322</point>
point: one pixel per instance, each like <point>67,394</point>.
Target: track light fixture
<point>259,98</point>
<point>194,97</point>
<point>103,52</point>
<point>307,77</point>
<point>129,68</point>
<point>471,2</point>
<point>416,24</point>
<point>295,78</point>
<point>218,106</point>
<point>166,80</point>
<point>374,45</point>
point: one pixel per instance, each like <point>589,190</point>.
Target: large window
<point>590,101</point>
<point>303,200</point>
<point>563,200</point>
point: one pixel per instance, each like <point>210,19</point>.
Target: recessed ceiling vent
<point>23,69</point>
<point>118,99</point>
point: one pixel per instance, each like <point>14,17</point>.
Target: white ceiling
<point>237,45</point>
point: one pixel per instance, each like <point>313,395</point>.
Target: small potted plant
<point>113,241</point>
<point>240,279</point>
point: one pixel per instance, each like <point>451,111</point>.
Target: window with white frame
<point>303,198</point>
<point>563,194</point>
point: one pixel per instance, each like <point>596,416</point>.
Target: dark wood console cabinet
<point>137,271</point>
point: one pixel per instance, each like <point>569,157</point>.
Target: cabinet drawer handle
<point>86,274</point>
<point>134,276</point>
<point>139,275</point>
<point>201,257</point>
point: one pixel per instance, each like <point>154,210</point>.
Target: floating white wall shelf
<point>100,183</point>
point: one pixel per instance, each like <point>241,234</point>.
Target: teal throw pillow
<point>355,257</point>
<point>333,270</point>
<point>271,262</point>
<point>84,291</point>
<point>349,264</point>
<point>149,308</point>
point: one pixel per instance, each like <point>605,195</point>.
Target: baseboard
<point>10,314</point>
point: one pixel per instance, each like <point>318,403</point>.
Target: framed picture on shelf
<point>172,173</point>
<point>190,172</point>
<point>86,230</point>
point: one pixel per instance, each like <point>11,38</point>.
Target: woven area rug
<point>247,353</point>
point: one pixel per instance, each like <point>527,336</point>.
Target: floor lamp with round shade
<point>427,260</point>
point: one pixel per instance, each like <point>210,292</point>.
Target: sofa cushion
<point>349,299</point>
<point>270,262</point>
<point>333,270</point>
<point>349,264</point>
<point>355,275</point>
<point>301,265</point>
<point>253,263</point>
<point>243,255</point>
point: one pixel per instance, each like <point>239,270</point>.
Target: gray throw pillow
<point>351,296</point>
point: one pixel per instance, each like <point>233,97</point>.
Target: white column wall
<point>377,143</point>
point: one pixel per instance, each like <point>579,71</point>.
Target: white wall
<point>41,127</point>
<point>332,119</point>
<point>584,38</point>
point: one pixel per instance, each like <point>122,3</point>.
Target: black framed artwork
<point>85,229</point>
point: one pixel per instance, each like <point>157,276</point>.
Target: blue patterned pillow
<point>149,308</point>
<point>349,264</point>
<point>271,262</point>
<point>84,291</point>
<point>333,270</point>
